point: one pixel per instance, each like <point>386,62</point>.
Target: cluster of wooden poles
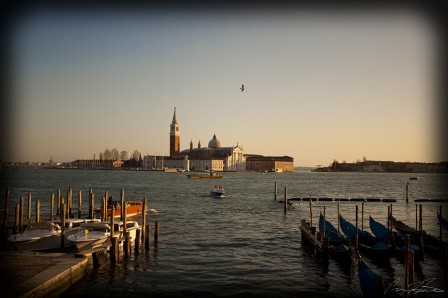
<point>64,211</point>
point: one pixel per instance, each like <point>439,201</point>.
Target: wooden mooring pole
<point>16,219</point>
<point>112,230</point>
<point>5,219</point>
<point>407,192</point>
<point>362,216</point>
<point>275,191</point>
<point>58,207</point>
<point>145,207</point>
<point>62,224</point>
<point>285,203</point>
<point>79,203</point>
<point>28,216</point>
<point>156,231</point>
<point>114,250</point>
<point>356,229</point>
<point>311,214</point>
<point>339,217</point>
<point>123,207</point>
<point>147,235</point>
<point>37,211</point>
<point>92,204</point>
<point>21,215</point>
<point>51,207</point>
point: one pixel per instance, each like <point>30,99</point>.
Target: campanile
<point>174,136</point>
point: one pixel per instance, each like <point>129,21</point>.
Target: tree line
<point>113,154</point>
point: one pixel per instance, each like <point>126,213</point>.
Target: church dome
<point>214,143</point>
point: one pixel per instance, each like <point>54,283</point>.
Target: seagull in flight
<point>242,87</point>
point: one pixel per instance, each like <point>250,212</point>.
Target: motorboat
<point>37,236</point>
<point>90,235</point>
<point>46,235</point>
<point>217,191</point>
<point>133,207</point>
<point>131,227</point>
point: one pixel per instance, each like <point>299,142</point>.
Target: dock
<point>26,274</point>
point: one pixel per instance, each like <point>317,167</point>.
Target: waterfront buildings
<point>214,157</point>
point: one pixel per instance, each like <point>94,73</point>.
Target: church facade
<point>213,157</point>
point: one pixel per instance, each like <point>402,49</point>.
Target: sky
<point>319,85</point>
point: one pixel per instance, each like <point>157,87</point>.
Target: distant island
<point>386,166</point>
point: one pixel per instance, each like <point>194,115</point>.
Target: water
<point>243,244</point>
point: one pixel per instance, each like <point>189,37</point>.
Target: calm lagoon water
<point>243,244</point>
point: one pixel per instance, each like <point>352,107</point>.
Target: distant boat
<point>413,178</point>
<point>206,174</point>
<point>217,191</point>
<point>278,170</point>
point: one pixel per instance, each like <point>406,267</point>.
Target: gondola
<point>442,221</point>
<point>430,242</point>
<point>372,284</point>
<point>338,243</point>
<point>366,241</point>
<point>381,232</point>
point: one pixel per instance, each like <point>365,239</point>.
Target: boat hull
<point>132,209</point>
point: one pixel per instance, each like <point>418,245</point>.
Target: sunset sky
<point>320,85</point>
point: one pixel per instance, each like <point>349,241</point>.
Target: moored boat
<point>133,207</point>
<point>90,235</point>
<point>372,284</point>
<point>131,227</point>
<point>366,241</point>
<point>40,236</point>
<point>338,243</point>
<point>442,221</point>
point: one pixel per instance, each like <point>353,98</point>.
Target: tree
<point>115,154</point>
<point>135,155</point>
<point>107,154</point>
<point>124,155</point>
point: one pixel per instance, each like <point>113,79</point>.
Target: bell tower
<point>174,136</point>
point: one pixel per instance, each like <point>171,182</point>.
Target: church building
<point>214,157</point>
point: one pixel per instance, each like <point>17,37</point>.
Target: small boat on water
<point>206,174</point>
<point>338,242</point>
<point>382,234</point>
<point>372,284</point>
<point>442,221</point>
<point>366,241</point>
<point>217,191</point>
<point>430,242</point>
<point>90,235</point>
<point>133,207</point>
<point>40,236</point>
<point>413,178</point>
<point>131,227</point>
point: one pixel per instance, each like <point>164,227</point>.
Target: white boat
<point>131,227</point>
<point>278,170</point>
<point>46,235</point>
<point>217,191</point>
<point>90,235</point>
<point>39,236</point>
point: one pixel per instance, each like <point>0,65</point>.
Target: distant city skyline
<point>318,85</point>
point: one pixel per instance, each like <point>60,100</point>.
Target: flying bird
<point>242,87</point>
